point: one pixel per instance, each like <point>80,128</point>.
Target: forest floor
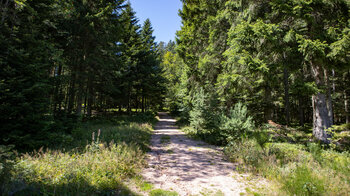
<point>191,167</point>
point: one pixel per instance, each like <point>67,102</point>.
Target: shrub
<point>203,116</point>
<point>247,152</point>
<point>236,124</point>
<point>286,153</point>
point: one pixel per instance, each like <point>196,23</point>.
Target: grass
<point>294,164</point>
<point>100,156</point>
<point>297,169</point>
<point>208,192</point>
<point>161,192</point>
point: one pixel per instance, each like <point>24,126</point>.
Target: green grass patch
<point>304,181</point>
<point>160,192</point>
<point>146,186</point>
<point>208,192</point>
<point>298,170</point>
<point>99,158</point>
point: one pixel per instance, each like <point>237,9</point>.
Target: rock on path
<point>186,166</point>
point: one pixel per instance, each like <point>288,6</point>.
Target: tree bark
<point>57,90</point>
<point>71,93</point>
<point>329,97</point>
<point>129,99</point>
<point>143,102</point>
<point>301,112</point>
<point>286,95</point>
<point>79,96</point>
<point>268,113</point>
<point>321,118</point>
<point>346,108</point>
<point>90,95</point>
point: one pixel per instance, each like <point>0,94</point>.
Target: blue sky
<point>163,15</point>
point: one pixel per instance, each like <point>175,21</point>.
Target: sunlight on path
<point>189,167</point>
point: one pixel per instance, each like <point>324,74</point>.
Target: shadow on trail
<point>182,157</point>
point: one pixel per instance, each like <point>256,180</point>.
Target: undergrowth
<point>298,169</point>
<point>99,158</point>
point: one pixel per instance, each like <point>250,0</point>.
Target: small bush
<point>286,153</point>
<point>236,124</point>
<point>203,116</point>
<point>246,152</point>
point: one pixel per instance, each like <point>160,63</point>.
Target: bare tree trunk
<point>57,90</point>
<point>79,101</point>
<point>329,97</point>
<point>346,108</point>
<point>90,95</point>
<point>301,112</point>
<point>321,118</point>
<point>129,99</point>
<point>85,100</point>
<point>143,102</point>
<point>80,93</point>
<point>268,112</point>
<point>72,93</point>
<point>286,95</point>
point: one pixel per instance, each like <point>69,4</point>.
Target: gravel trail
<point>187,166</point>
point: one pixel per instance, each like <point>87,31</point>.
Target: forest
<point>82,81</point>
<point>66,61</point>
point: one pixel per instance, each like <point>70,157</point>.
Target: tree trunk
<point>329,97</point>
<point>129,99</point>
<point>301,112</point>
<point>268,113</point>
<point>57,90</point>
<point>321,118</point>
<point>346,103</point>
<point>286,95</point>
<point>79,101</point>
<point>90,95</point>
<point>71,93</point>
<point>80,93</point>
<point>143,102</point>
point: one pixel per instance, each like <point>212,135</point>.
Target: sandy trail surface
<point>187,166</point>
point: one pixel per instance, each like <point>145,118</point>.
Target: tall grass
<point>297,169</point>
<point>94,163</point>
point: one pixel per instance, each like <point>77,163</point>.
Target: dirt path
<point>189,167</point>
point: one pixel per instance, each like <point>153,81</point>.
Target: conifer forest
<point>85,88</point>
